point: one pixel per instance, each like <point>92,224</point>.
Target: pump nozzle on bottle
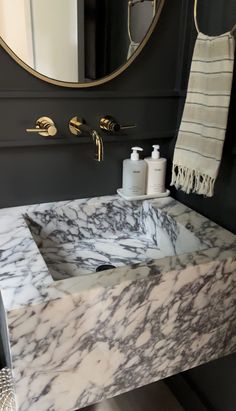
<point>134,174</point>
<point>156,152</point>
<point>135,155</point>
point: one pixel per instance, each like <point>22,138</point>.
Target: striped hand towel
<point>200,141</point>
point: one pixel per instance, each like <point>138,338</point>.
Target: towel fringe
<point>192,181</point>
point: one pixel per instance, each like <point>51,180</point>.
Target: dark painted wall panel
<point>39,170</point>
<point>215,382</point>
<point>34,169</point>
<point>140,112</point>
<point>28,175</point>
<point>61,171</point>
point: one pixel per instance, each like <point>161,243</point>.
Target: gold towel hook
<point>195,16</point>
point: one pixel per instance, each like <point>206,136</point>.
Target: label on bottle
<point>134,178</point>
<point>156,177</point>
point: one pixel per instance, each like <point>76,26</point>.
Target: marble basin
<point>80,340</point>
<point>77,241</point>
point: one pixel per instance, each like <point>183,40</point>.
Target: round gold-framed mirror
<point>77,43</point>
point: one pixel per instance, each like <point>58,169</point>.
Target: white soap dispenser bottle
<point>134,174</point>
<point>156,172</point>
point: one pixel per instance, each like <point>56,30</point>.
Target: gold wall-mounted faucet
<point>108,123</point>
<point>44,126</point>
<point>78,127</point>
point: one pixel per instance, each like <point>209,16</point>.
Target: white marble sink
<point>77,341</point>
<point>76,242</point>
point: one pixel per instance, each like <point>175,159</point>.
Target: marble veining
<point>79,340</point>
<point>75,242</point>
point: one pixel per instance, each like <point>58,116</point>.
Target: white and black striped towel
<point>201,136</point>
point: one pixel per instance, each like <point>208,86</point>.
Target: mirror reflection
<point>76,41</point>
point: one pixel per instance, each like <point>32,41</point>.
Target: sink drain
<point>104,267</point>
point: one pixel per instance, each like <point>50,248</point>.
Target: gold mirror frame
<point>105,79</point>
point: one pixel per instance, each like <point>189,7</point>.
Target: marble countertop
<point>77,341</point>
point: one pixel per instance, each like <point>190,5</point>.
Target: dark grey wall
<point>151,94</point>
<point>214,383</point>
<point>34,169</point>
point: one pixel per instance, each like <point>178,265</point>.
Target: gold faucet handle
<point>75,125</point>
<point>78,126</point>
<point>108,123</point>
<point>128,126</point>
<point>45,127</point>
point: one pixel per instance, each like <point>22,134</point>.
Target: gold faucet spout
<point>78,127</point>
<point>99,156</point>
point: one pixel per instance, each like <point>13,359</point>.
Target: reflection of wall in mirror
<point>106,37</point>
<point>142,16</point>
<point>15,28</point>
<point>56,38</point>
<point>117,34</point>
<point>106,34</point>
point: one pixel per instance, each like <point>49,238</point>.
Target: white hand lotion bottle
<point>156,172</point>
<point>134,174</point>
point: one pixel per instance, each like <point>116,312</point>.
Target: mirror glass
<point>76,41</point>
